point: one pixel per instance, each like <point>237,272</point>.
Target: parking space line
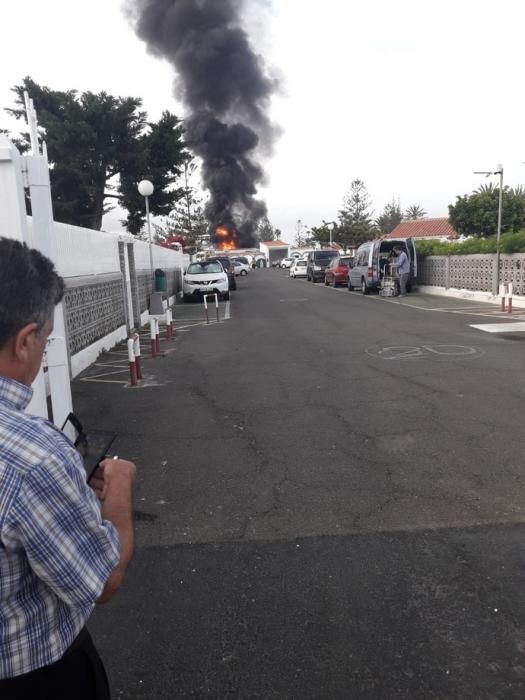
<point>491,312</point>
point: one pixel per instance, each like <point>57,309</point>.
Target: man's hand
<point>111,470</point>
<point>115,490</point>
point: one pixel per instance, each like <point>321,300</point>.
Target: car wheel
<point>243,273</point>
<point>186,298</point>
<point>364,288</point>
<point>226,296</point>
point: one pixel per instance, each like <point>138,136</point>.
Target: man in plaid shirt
<point>64,544</point>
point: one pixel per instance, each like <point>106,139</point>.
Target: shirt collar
<point>14,394</point>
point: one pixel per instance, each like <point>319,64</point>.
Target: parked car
<point>276,263</point>
<point>372,257</point>
<point>287,262</point>
<point>206,277</point>
<point>318,261</point>
<point>240,267</point>
<point>298,268</point>
<point>228,269</point>
<point>337,271</point>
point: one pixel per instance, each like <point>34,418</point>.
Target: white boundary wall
<point>84,253</point>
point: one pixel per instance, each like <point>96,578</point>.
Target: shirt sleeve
<point>56,519</point>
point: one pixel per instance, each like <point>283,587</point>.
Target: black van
<point>318,261</point>
<point>368,263</point>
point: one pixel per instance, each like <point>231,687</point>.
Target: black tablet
<point>93,445</point>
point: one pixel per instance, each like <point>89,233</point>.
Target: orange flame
<point>226,238</point>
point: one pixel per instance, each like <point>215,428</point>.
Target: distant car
<point>240,268</point>
<point>228,269</point>
<point>287,262</point>
<point>206,277</point>
<point>337,271</point>
<point>276,263</point>
<point>318,261</point>
<point>298,268</point>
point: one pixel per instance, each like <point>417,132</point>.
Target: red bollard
<point>502,295</point>
<point>171,323</point>
<point>132,363</point>
<point>157,336</point>
<point>136,350</point>
<point>153,337</point>
<point>167,324</point>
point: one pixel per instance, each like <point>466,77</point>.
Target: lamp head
<point>145,188</point>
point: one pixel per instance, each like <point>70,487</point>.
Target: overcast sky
<point>410,96</point>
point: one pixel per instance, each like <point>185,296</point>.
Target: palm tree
<point>415,212</point>
<point>489,188</point>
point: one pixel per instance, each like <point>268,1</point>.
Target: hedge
<point>510,243</point>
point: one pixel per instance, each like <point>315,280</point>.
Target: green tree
<point>390,217</point>
<point>94,140</point>
<point>266,231</point>
<point>477,214</point>
<point>415,212</point>
<point>355,218</point>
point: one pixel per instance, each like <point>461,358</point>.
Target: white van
<point>368,268</point>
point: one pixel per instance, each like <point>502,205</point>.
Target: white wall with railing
<point>81,251</point>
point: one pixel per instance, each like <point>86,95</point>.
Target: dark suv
<point>228,269</point>
<point>318,261</point>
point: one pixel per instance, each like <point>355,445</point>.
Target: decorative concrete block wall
<point>472,272</point>
<point>94,308</point>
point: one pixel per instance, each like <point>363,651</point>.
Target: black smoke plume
<point>224,84</point>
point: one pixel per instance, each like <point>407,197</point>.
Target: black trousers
<point>78,675</point>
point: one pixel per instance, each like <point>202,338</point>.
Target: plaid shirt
<point>56,552</point>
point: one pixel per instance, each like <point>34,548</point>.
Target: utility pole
<point>499,172</point>
<point>187,190</point>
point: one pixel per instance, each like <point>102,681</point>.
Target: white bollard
<point>132,364</point>
<point>136,350</point>
<point>153,336</point>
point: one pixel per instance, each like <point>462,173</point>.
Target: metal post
<point>498,237</point>
<point>149,238</point>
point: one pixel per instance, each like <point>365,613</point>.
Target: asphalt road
<point>330,504</point>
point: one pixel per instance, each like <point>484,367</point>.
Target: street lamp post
<point>145,188</point>
<point>331,228</point>
<point>499,172</point>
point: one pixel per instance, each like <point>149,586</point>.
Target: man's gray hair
<point>30,288</point>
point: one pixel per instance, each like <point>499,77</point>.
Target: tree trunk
<point>98,201</point>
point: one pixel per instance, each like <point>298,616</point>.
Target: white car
<point>298,268</point>
<point>287,262</point>
<point>240,268</point>
<point>206,277</point>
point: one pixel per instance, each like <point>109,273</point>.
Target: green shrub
<point>510,243</point>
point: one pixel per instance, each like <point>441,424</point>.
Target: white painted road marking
<point>513,327</point>
<point>415,352</point>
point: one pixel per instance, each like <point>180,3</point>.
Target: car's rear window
<point>300,263</point>
<point>325,254</point>
<point>204,268</point>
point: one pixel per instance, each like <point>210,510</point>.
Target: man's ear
<point>23,342</point>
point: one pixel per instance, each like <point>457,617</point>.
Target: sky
<point>409,96</point>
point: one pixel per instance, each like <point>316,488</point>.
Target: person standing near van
<point>403,266</point>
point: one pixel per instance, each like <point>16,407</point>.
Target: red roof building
<point>424,228</point>
<point>275,244</point>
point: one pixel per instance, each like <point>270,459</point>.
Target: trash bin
<point>160,280</point>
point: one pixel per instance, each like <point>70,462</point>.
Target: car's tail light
<point>370,272</point>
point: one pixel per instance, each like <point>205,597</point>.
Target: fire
<point>226,238</point>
